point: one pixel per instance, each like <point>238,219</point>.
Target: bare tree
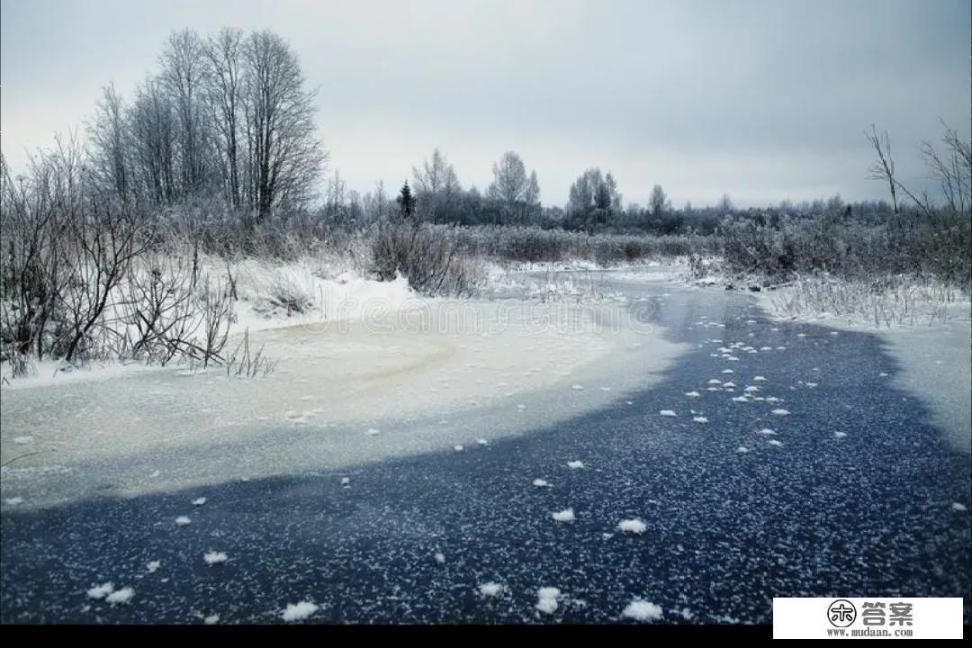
<point>658,202</point>
<point>883,167</point>
<point>108,147</point>
<point>512,188</point>
<point>952,170</point>
<point>152,125</point>
<point>225,98</point>
<point>284,157</point>
<point>437,187</point>
<point>185,73</point>
<point>510,182</point>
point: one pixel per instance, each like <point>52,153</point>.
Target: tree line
<point>226,115</point>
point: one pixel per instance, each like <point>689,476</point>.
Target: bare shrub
<point>243,363</point>
<point>216,305</point>
<point>430,258</point>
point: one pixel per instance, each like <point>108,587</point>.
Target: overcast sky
<point>764,100</point>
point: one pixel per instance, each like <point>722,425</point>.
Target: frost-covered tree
<point>284,157</point>
<point>185,75</point>
<point>510,182</point>
<point>108,149</point>
<point>516,193</point>
<point>658,203</point>
<point>437,188</point>
<point>224,96</point>
<point>594,198</point>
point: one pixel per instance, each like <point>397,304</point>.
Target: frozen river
<point>388,472</point>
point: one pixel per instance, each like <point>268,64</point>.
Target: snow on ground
<point>640,610</point>
<point>490,589</point>
<point>298,611</point>
<point>575,465</point>
<point>392,364</point>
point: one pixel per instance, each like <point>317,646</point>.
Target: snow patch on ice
<point>567,515</point>
<point>215,557</point>
<point>547,599</point>
<point>101,591</point>
<point>299,611</point>
<point>633,525</point>
<point>640,610</point>
<point>121,597</point>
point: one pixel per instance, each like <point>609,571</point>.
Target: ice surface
<point>339,380</point>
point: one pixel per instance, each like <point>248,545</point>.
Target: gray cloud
<point>761,99</point>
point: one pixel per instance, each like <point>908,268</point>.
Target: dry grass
<point>886,302</point>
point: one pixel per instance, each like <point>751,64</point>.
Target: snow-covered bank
<point>398,378</point>
<point>267,294</point>
<point>935,360</point>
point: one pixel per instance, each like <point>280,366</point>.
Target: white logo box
<point>810,618</point>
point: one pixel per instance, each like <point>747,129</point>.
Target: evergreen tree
<point>406,203</point>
